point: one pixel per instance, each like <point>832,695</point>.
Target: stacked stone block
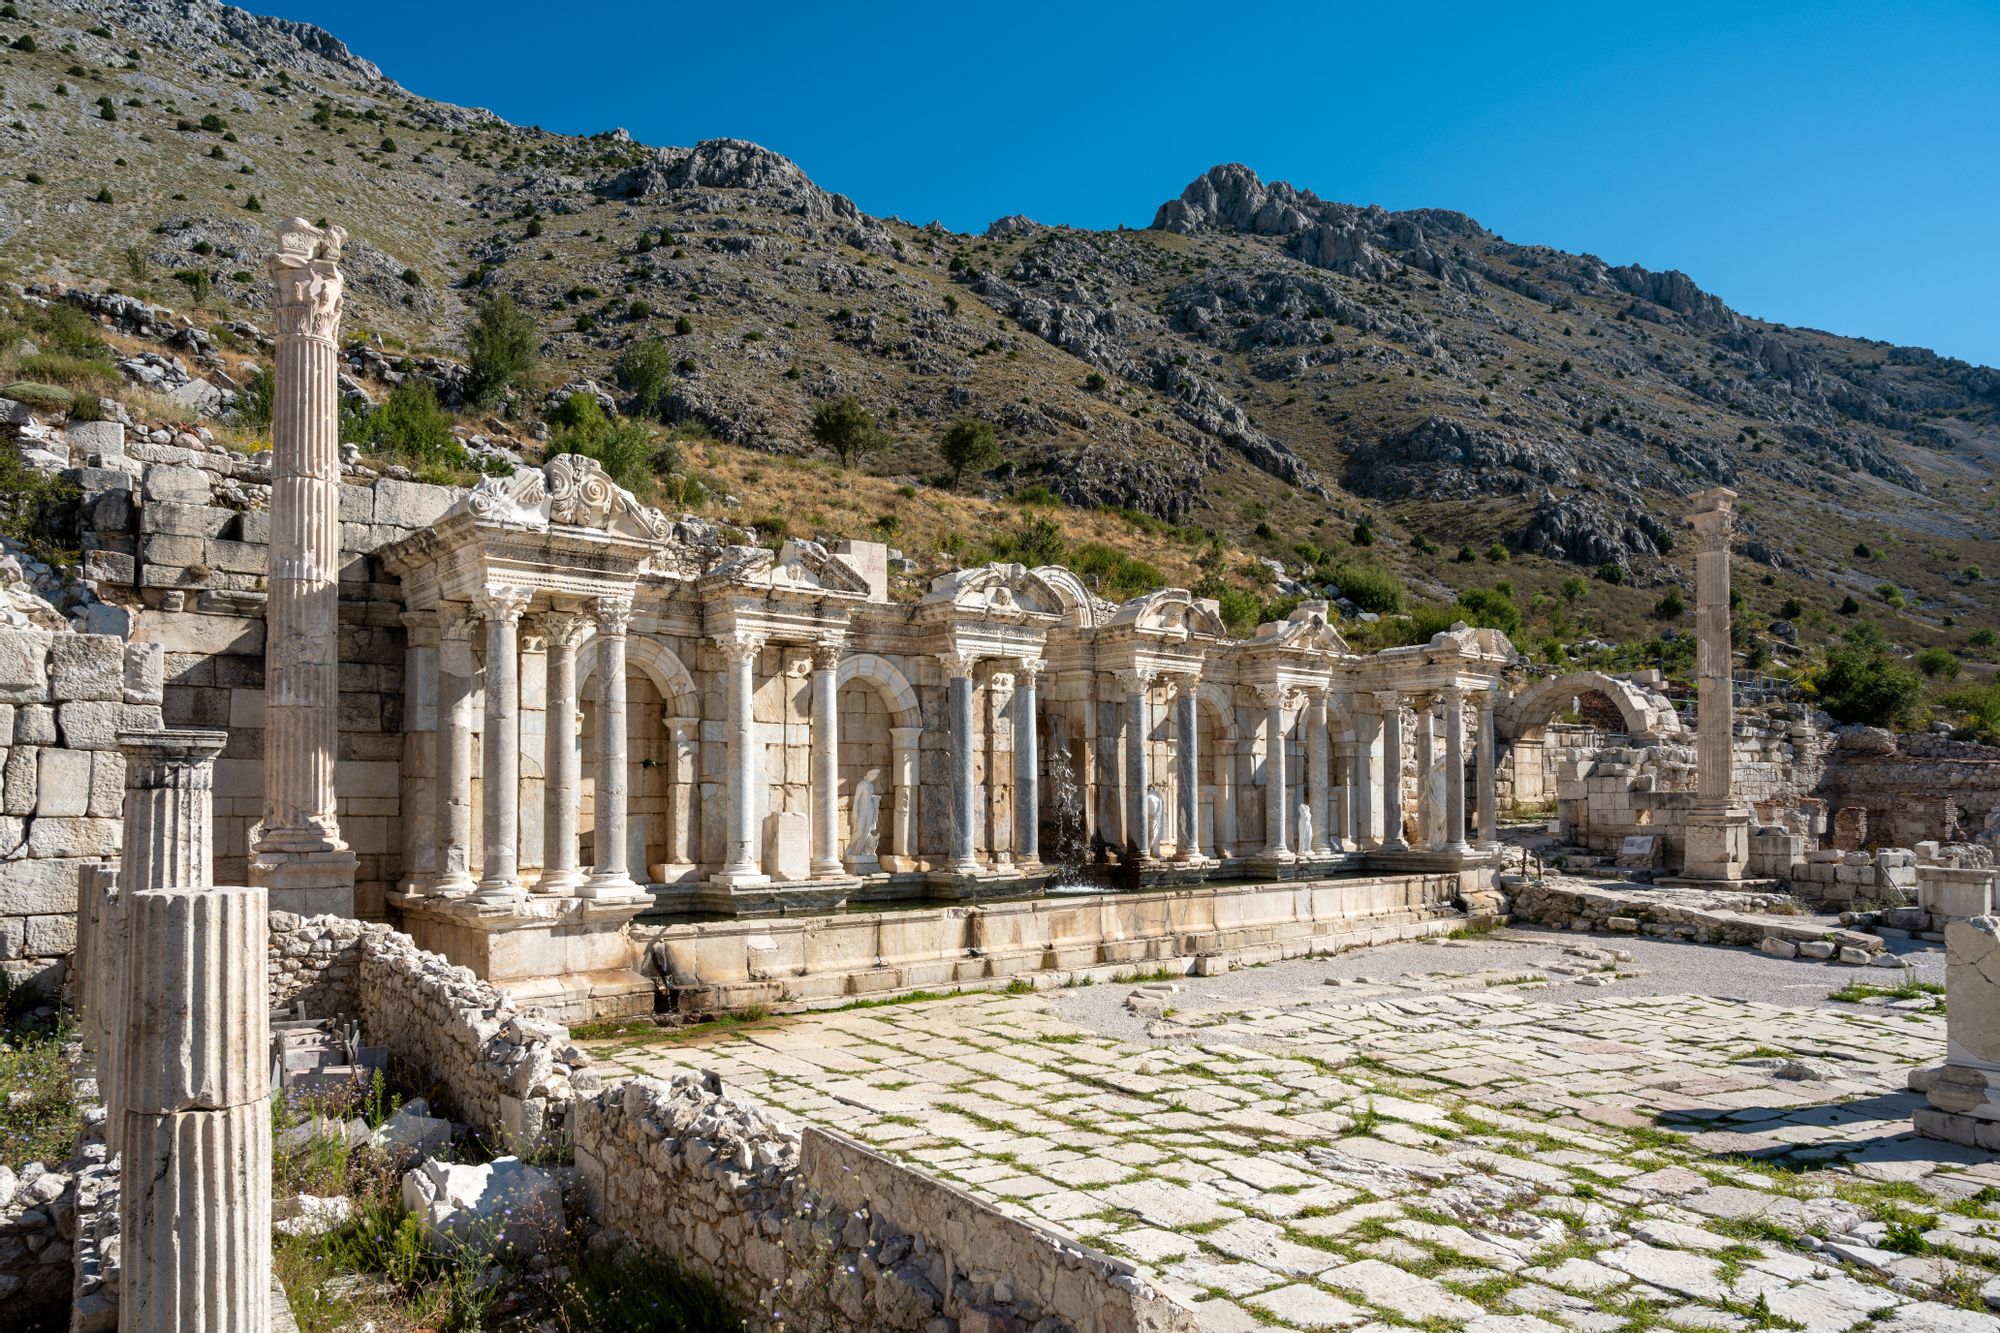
<point>64,697</point>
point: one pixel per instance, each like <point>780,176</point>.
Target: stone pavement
<point>1435,1152</point>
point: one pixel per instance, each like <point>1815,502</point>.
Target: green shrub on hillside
<point>626,449</point>
<point>501,348</point>
<point>1369,587</point>
<point>1861,682</point>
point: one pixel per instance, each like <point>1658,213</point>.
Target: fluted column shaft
<point>744,758</point>
<point>611,877</point>
<point>1454,771</point>
<point>562,763</point>
<point>500,768</point>
<point>169,808</point>
<point>1425,745</point>
<point>1277,785</point>
<point>964,810</point>
<point>454,752</point>
<point>1390,702</point>
<point>1027,768</point>
<point>1187,732</point>
<point>1715,705</point>
<point>1365,792</point>
<point>1485,780</point>
<point>302,608</point>
<point>826,762</point>
<point>195,1132</point>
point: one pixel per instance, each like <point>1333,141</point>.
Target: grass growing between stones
<point>1862,992</point>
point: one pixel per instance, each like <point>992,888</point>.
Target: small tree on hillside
<point>846,427</point>
<point>969,443</point>
<point>648,370</point>
<point>501,348</point>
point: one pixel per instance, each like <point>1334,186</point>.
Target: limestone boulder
<point>502,1202</point>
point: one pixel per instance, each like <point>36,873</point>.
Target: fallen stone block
<point>504,1201</point>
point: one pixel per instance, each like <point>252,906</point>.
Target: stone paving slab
<point>1492,1157</point>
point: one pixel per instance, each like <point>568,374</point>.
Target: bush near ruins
<point>648,371</point>
<point>1369,587</point>
<point>1977,710</point>
<point>626,449</point>
<point>410,428</point>
<point>969,444</point>
<point>1860,682</point>
<point>1938,663</point>
<point>500,349</point>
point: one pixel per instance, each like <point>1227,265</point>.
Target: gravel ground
<point>1662,967</point>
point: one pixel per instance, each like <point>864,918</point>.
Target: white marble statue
<point>866,811</point>
<point>1156,807</point>
<point>1434,805</point>
<point>1305,846</point>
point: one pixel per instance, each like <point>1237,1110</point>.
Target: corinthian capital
<point>306,275</point>
<point>1132,680</point>
<point>740,646</point>
<point>561,628</point>
<point>506,604</point>
<point>613,615</point>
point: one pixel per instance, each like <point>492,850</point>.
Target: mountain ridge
<point>1257,358</point>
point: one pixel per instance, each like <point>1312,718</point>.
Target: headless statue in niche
<point>866,811</point>
<point>1155,808</point>
<point>1305,830</point>
<point>1434,805</point>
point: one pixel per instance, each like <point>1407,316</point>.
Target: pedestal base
<point>1716,846</point>
<point>764,896</point>
<point>988,882</point>
<point>307,883</point>
<point>568,955</point>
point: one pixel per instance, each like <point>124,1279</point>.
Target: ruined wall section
<point>1916,787</point>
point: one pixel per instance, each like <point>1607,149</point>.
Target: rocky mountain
<point>1260,362</point>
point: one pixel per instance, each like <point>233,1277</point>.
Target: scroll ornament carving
<point>307,277</point>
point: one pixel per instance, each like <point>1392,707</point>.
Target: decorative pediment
<point>1308,629</point>
<point>1171,613</point>
<point>995,591</point>
<point>569,491</point>
<point>1464,640</point>
<point>583,495</point>
<point>799,566</point>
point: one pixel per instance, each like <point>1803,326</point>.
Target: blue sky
<point>1832,165</point>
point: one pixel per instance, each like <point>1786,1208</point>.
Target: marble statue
<point>1305,829</point>
<point>1155,808</point>
<point>1434,805</point>
<point>866,813</point>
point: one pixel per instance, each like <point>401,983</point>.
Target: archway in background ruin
<point>1639,711</point>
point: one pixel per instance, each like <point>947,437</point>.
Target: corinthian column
<point>826,761</point>
<point>964,855</point>
<point>1187,729</point>
<point>454,752</point>
<point>420,750</point>
<point>1390,703</point>
<point>1485,782</point>
<point>296,849</point>
<point>1319,771</point>
<point>1027,767</point>
<point>1454,772</point>
<point>1138,728</point>
<point>500,770</point>
<point>1277,787</point>
<point>562,767</point>
<point>610,877</point>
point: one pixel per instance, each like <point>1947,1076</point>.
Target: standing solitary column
<point>826,761</point>
<point>500,767</point>
<point>745,759</point>
<point>1717,831</point>
<point>1187,731</point>
<point>1318,773</point>
<point>1489,793</point>
<point>1027,767</point>
<point>454,752</point>
<point>1390,702</point>
<point>562,764</point>
<point>610,877</point>
<point>1454,771</point>
<point>964,859</point>
<point>296,850</point>
<point>1277,787</point>
<point>1138,728</point>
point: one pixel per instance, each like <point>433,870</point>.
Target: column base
<point>1716,846</point>
<point>734,877</point>
<point>765,896</point>
<point>559,883</point>
<point>569,955</point>
<point>307,883</point>
<point>612,889</point>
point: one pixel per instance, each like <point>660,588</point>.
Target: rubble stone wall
<point>819,1231</point>
<point>64,697</point>
<point>510,1073</point>
<point>1914,787</point>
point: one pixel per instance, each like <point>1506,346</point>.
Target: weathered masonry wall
<point>1914,788</point>
<point>821,1232</point>
<point>512,1075</point>
<point>64,697</point>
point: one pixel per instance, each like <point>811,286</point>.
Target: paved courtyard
<point>1522,1132</point>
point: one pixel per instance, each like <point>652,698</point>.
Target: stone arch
<point>669,674</point>
<point>887,678</point>
<point>662,813</point>
<point>1648,714</point>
